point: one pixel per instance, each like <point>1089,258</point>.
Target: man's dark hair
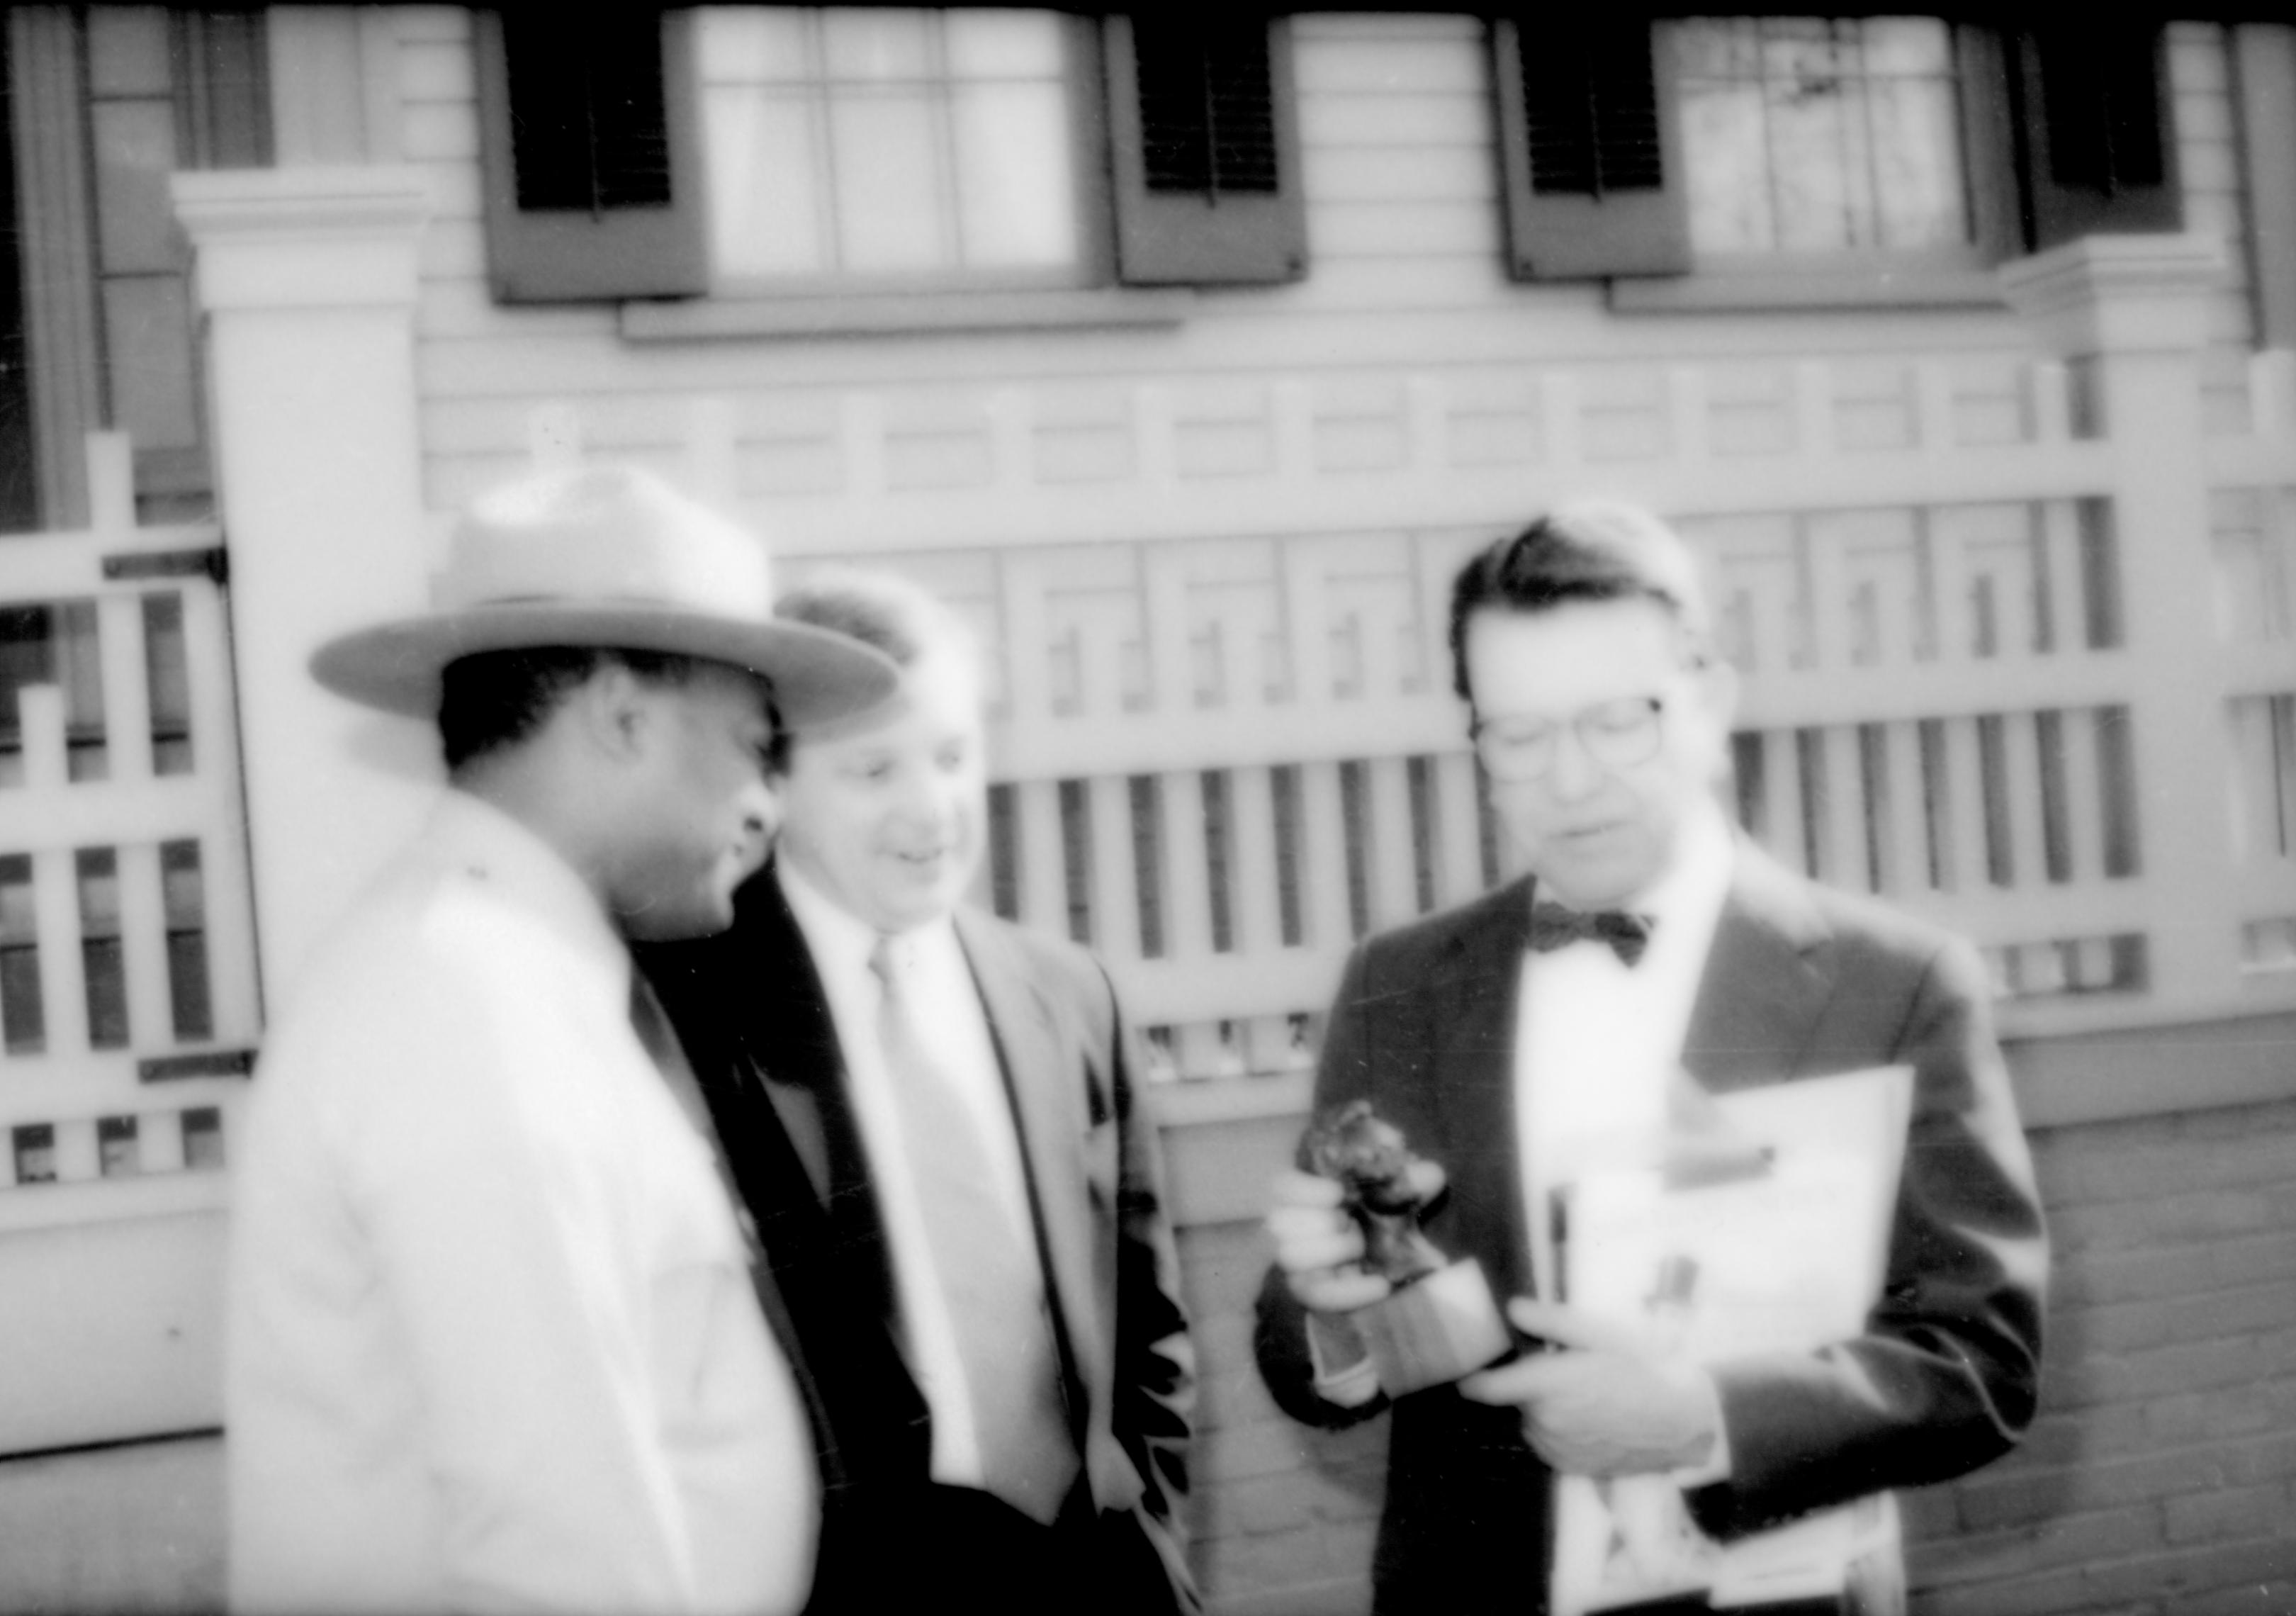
<point>1594,550</point>
<point>498,698</point>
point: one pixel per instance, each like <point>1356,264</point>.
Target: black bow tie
<point>1551,926</point>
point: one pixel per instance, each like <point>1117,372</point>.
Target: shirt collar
<point>1695,881</point>
<point>486,845</point>
<point>838,937</point>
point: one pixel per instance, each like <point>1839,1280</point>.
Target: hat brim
<point>816,676</point>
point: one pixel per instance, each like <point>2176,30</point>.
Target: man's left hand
<point>1599,1403</point>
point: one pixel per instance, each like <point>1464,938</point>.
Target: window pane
<point>753,44</point>
<point>135,152</point>
<point>1718,47</point>
<point>1729,170</point>
<point>1013,176</point>
<point>1004,44</point>
<point>1813,134</point>
<point>879,45</point>
<point>888,182</point>
<point>864,142</point>
<point>1804,48</point>
<point>1908,46</point>
<point>766,205</point>
<point>1916,147</point>
<point>1816,158</point>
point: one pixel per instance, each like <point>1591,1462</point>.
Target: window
<point>790,152</point>
<point>1819,134</point>
<point>103,103</point>
<point>857,144</point>
<point>1863,159</point>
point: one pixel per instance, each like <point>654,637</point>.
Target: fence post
<point>2129,314</point>
<point>308,277</point>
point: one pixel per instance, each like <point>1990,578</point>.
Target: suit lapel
<point>1475,1026</point>
<point>1768,976</point>
<point>1038,1069</point>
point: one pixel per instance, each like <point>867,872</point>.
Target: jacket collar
<point>1045,1079</point>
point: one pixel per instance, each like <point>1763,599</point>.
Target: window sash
<point>826,98</point>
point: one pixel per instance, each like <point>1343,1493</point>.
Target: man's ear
<point>1717,687</point>
<point>1717,684</point>
<point>612,713</point>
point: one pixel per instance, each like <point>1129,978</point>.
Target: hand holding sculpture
<point>1438,1322</point>
<point>1367,1156</point>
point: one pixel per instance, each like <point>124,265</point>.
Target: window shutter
<point>2099,149</point>
<point>590,150</point>
<point>1588,151</point>
<point>1205,151</point>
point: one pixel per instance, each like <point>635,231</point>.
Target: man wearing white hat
<point>496,1336</point>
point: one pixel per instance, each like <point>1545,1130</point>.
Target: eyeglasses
<point>1616,734</point>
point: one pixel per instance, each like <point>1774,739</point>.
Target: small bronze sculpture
<point>1440,1321</point>
<point>1366,1155</point>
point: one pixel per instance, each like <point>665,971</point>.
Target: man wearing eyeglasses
<point>1653,957</point>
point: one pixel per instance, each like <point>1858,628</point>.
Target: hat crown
<point>601,535</point>
<point>611,557</point>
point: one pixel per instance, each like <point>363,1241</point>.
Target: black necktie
<point>1551,926</point>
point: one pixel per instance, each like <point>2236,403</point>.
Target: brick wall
<point>2161,1474</point>
<point>2160,1478</point>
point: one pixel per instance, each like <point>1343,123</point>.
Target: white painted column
<point>308,277</point>
<point>2135,307</point>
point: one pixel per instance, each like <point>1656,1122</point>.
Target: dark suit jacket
<point>749,1007</point>
<point>1801,981</point>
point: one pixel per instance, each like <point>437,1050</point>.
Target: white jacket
<point>492,1342</point>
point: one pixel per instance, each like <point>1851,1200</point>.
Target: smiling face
<point>1595,834</point>
<point>696,808</point>
<point>885,813</point>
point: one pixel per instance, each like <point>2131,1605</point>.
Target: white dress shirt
<point>1598,1042</point>
<point>944,1003</point>
<point>493,1341</point>
<point>1598,1049</point>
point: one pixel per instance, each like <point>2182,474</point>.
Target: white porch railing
<point>2016,637</point>
<point>128,1009</point>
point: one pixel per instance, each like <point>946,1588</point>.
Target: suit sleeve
<point>1154,1389</point>
<point>1946,1377</point>
<point>1280,1332</point>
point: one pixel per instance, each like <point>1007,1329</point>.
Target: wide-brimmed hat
<point>611,557</point>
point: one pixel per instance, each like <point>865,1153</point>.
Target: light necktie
<point>988,1274</point>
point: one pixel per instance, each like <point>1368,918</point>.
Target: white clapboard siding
<point>111,1248</point>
